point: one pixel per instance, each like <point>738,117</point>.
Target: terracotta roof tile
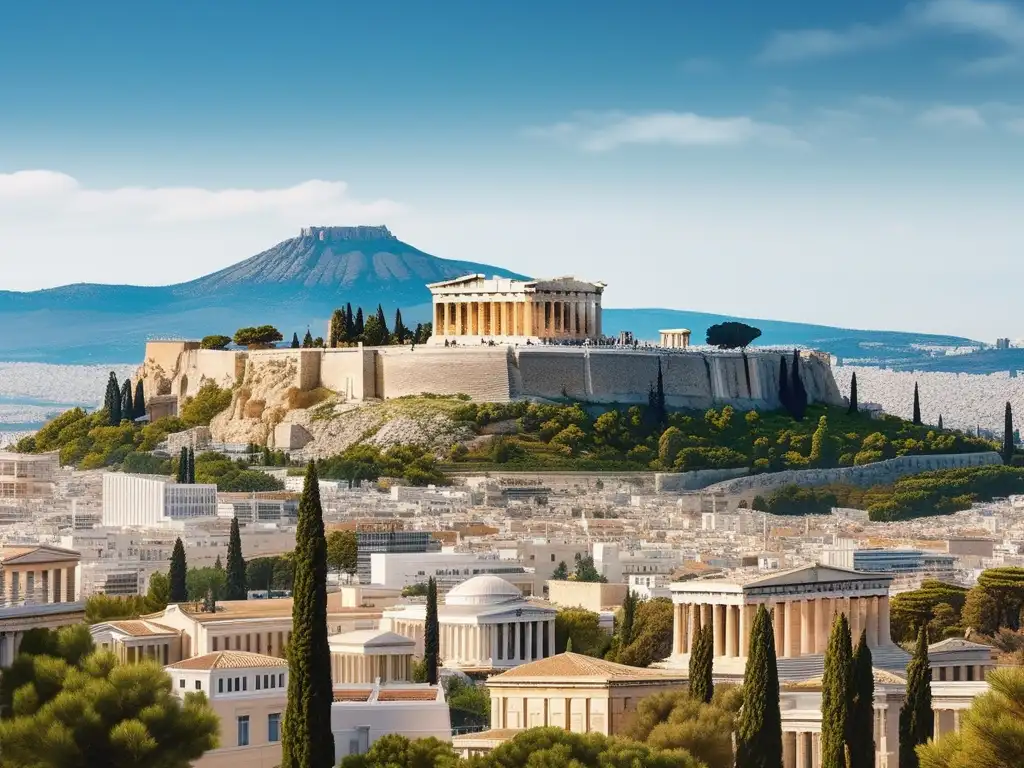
<point>142,628</point>
<point>352,695</point>
<point>576,665</point>
<point>228,660</point>
<point>408,694</point>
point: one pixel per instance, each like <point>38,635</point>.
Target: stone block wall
<point>879,473</point>
<point>349,371</point>
<point>482,373</point>
<point>552,373</point>
<point>665,482</point>
<point>308,369</point>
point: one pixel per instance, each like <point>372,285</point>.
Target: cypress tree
<point>917,406</point>
<point>940,422</point>
<point>236,588</point>
<point>140,400</point>
<point>350,323</point>
<point>182,476</point>
<point>178,574</point>
<point>784,399</point>
<point>853,395</point>
<point>217,564</point>
<point>417,336</point>
<point>112,401</point>
<point>702,665</point>
<point>797,392</point>
<point>357,327</point>
<point>432,634</point>
<point>382,320</point>
<point>306,740</point>
<point>307,340</point>
<point>1008,446</point>
<point>401,332</point>
<point>628,617</point>
<point>659,396</point>
<point>190,477</point>
<point>127,406</point>
<point>295,341</point>
<point>916,719</point>
<point>336,332</point>
<point>836,695</point>
<point>759,730</point>
<point>861,734</point>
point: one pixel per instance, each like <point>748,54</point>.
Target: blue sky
<point>845,163</point>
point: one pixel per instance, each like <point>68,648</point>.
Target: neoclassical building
<point>803,602</point>
<point>473,307</point>
<point>485,624</point>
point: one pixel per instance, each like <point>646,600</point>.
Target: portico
<point>803,603</point>
<point>675,338</point>
<point>473,307</point>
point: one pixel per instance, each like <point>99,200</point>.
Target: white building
<point>148,500</point>
<point>28,476</point>
<point>396,570</point>
<point>485,623</point>
<point>265,507</point>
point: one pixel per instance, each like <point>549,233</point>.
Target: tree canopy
<point>732,335</point>
<point>257,335</point>
<point>214,341</point>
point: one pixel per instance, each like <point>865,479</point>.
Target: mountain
<point>300,281</point>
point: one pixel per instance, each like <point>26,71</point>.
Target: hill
<point>298,282</point>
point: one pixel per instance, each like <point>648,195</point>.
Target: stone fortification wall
<point>482,373</point>
<point>198,366</point>
<point>350,372</point>
<point>879,473</point>
<point>551,373</point>
<point>666,482</point>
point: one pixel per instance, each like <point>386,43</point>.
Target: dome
<point>483,590</point>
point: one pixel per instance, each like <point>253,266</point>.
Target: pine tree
<point>797,392</point>
<point>140,400</point>
<point>295,341</point>
<point>854,408</point>
<point>182,476</point>
<point>307,340</point>
<point>112,401</point>
<point>178,573</point>
<point>307,741</point>
<point>628,617</point>
<point>759,730</point>
<point>1008,446</point>
<point>350,323</point>
<point>861,733</point>
<point>836,695</point>
<point>383,322</point>
<point>432,634</point>
<point>916,719</point>
<point>127,406</point>
<point>190,476</point>
<point>940,422</point>
<point>784,399</point>
<point>217,564</point>
<point>357,328</point>
<point>917,407</point>
<point>702,665</point>
<point>236,588</point>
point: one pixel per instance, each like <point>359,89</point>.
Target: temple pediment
<point>37,554</point>
<point>813,574</point>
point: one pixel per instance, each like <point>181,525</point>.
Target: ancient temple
<point>473,308</point>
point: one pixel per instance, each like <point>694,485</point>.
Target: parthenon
<point>473,307</point>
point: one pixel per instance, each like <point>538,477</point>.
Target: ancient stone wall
<point>308,376</point>
<point>349,371</point>
<point>552,373</point>
<point>666,482</point>
<point>482,373</point>
<point>879,473</point>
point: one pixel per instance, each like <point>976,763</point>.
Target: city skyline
<point>841,152</point>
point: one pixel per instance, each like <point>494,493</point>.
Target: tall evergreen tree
<point>432,634</point>
<point>357,327</point>
<point>784,398</point>
<point>306,740</point>
<point>917,406</point>
<point>861,733</point>
<point>336,331</point>
<point>237,587</point>
<point>178,574</point>
<point>836,695</point>
<point>797,392</point>
<point>702,665</point>
<point>112,401</point>
<point>190,478</point>
<point>139,402</point>
<point>417,335</point>
<point>400,331</point>
<point>350,323</point>
<point>383,321</point>
<point>854,408</point>
<point>127,404</point>
<point>759,730</point>
<point>916,719</point>
<point>295,341</point>
<point>940,422</point>
<point>628,617</point>
<point>217,564</point>
<point>307,340</point>
<point>1008,445</point>
<point>182,476</point>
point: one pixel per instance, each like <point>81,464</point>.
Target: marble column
<point>884,636</point>
<point>731,634</point>
<point>746,620</point>
<point>551,637</point>
<point>677,629</point>
<point>789,749</point>
<point>705,614</point>
<point>793,614</point>
<point>779,627</point>
<point>693,624</point>
<point>821,613</point>
<point>514,629</point>
<point>872,621</point>
<point>720,632</point>
<point>807,627</point>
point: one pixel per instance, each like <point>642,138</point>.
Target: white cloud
<point>796,45</point>
<point>58,194</point>
<point>603,132</point>
<point>947,116</point>
<point>998,20</point>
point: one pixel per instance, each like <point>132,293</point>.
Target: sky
<point>851,164</point>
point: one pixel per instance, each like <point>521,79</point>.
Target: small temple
<point>473,308</point>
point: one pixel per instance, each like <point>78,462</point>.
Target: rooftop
<point>483,590</point>
<point>577,667</point>
<point>140,628</point>
<point>236,610</point>
<point>228,660</point>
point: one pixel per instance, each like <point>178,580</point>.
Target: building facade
<point>151,500</point>
<point>28,476</point>
<point>473,307</point>
<point>396,570</point>
<point>675,338</point>
<point>389,539</point>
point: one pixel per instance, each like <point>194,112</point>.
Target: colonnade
<point>41,584</point>
<point>801,627</point>
<point>801,749</point>
<point>570,317</point>
<point>499,645</point>
<point>368,668</point>
<point>267,643</point>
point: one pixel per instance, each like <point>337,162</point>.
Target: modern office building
<point>266,507</point>
<point>27,475</point>
<point>152,500</point>
<point>388,538</point>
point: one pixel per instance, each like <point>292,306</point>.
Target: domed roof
<point>483,590</point>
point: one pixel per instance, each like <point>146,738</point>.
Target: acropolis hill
<point>495,340</point>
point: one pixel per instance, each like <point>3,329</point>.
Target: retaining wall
<point>483,373</point>
<point>350,371</point>
<point>692,481</point>
<point>879,473</point>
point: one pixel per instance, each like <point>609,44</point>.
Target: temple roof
<point>227,660</point>
<point>486,589</point>
<point>575,667</point>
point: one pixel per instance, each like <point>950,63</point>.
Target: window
<point>280,680</point>
<point>257,682</point>
<point>552,557</point>
<point>181,683</point>
<point>245,683</point>
<point>243,731</point>
<point>199,685</point>
<point>274,727</point>
<point>220,685</point>
<point>237,686</point>
<point>266,681</point>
